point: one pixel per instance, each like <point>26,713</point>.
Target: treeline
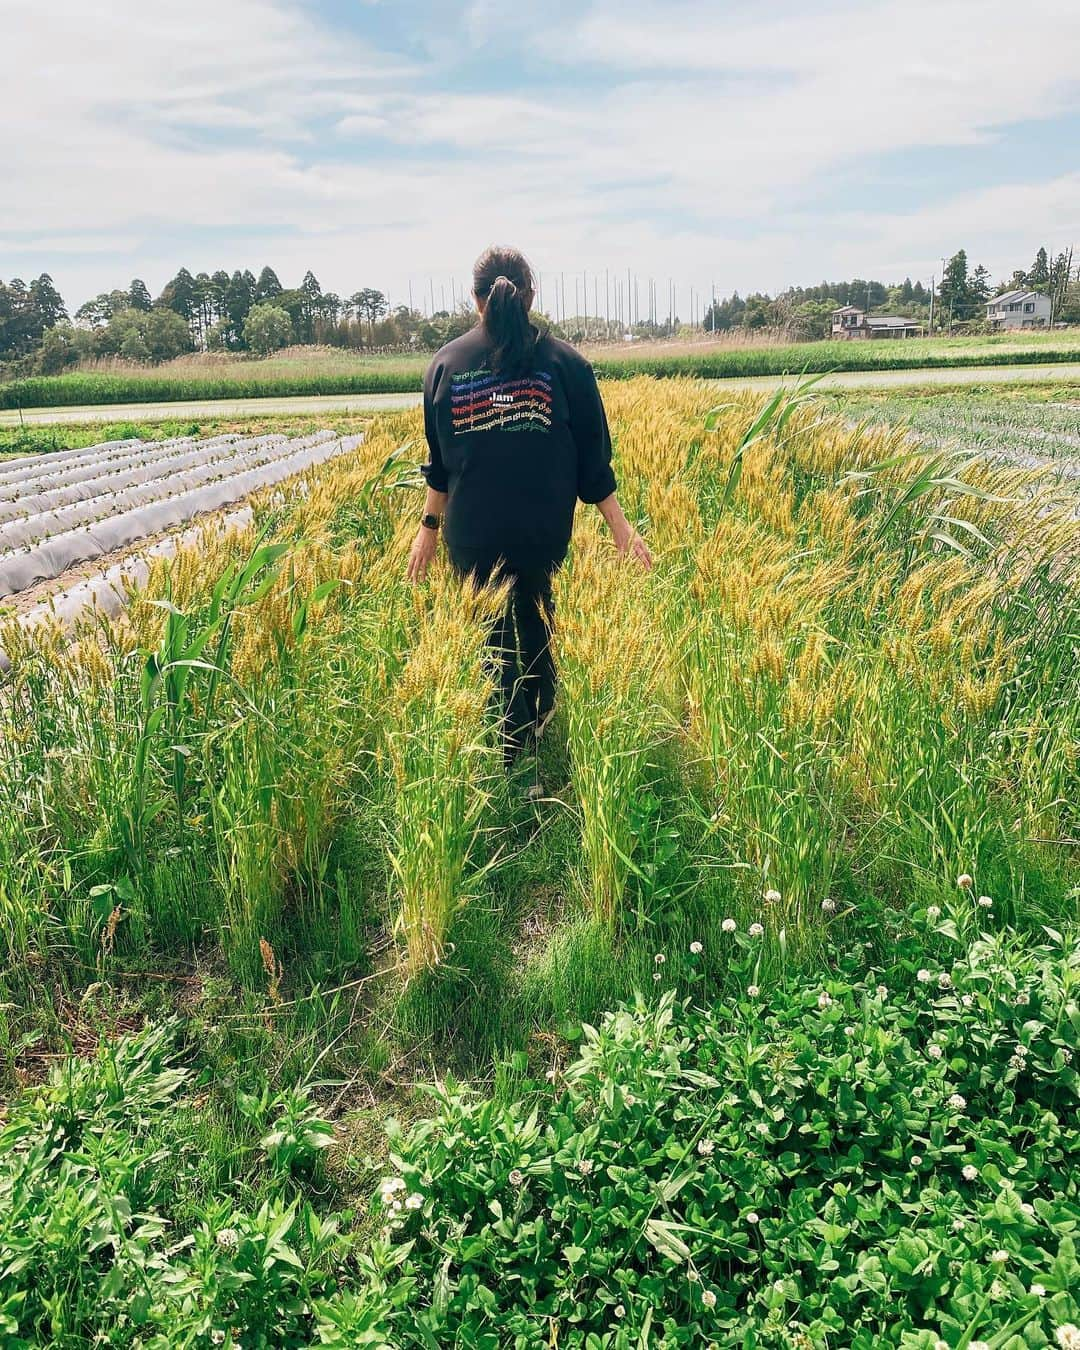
<point>206,312</point>
<point>804,312</point>
<point>242,312</point>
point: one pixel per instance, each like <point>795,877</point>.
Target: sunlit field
<point>756,1031</point>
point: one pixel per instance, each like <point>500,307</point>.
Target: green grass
<point>342,373</point>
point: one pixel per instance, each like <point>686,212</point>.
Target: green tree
<point>370,305</point>
<point>267,287</point>
<point>1038,277</point>
<point>979,285</point>
<point>46,302</point>
<point>139,296</point>
<point>267,328</point>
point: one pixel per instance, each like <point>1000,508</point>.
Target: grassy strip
<point>279,379</point>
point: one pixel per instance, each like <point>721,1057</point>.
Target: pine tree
<point>267,287</point>
<point>1038,278</point>
<point>139,296</point>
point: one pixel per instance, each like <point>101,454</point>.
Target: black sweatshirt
<point>514,455</point>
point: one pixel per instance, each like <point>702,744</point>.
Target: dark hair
<point>503,280</point>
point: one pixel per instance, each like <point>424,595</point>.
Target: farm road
<point>371,403</point>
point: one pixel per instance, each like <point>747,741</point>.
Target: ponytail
<point>502,279</point>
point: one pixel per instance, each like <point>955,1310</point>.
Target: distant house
<point>1018,309</point>
<point>851,322</point>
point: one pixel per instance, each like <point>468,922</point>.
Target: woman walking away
<point>516,435</point>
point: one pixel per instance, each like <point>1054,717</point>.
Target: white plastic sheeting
<point>53,556</point>
<point>17,499</point>
<point>108,592</point>
<point>31,466</point>
<point>110,478</point>
<point>54,512</point>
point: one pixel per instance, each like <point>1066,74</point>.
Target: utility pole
<point>930,329</point>
<point>607,303</point>
<point>712,307</point>
<point>431,282</point>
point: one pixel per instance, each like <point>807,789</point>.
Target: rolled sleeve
<point>589,428</point>
<point>434,470</point>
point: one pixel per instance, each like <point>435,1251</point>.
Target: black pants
<point>519,646</point>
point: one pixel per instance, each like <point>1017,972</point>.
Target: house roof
<point>891,321</point>
<point>848,309</point>
<point>1013,296</point>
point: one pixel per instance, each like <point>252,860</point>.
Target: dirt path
<point>369,403</point>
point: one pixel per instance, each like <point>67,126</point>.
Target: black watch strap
<point>429,521</point>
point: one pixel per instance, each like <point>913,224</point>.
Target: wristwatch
<point>429,522</point>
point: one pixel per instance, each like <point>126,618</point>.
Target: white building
<point>1018,309</point>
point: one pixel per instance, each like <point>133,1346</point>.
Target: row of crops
<point>816,774</point>
<point>70,507</point>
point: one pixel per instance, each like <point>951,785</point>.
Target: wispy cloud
<point>680,137</point>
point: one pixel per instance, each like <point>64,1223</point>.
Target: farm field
<point>301,373</point>
<point>1032,425</point>
<point>767,1012</point>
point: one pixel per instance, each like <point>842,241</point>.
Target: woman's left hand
<point>629,541</point>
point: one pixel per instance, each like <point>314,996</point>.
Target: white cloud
<point>682,137</point>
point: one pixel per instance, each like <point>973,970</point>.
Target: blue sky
<point>385,142</point>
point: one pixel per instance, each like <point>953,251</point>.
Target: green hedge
<point>89,389</point>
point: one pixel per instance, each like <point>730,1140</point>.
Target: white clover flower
<point>824,1000</point>
<point>756,929</point>
<point>956,1102</point>
<point>985,902</point>
<point>958,1225</point>
<point>728,925</point>
<point>923,976</point>
<point>1066,1056</point>
<point>217,1336</point>
<point>970,1172</point>
<point>934,1051</point>
<point>620,1311</point>
<point>944,980</point>
<point>752,991</point>
<point>692,1275</point>
<point>696,949</point>
<point>1027,1208</point>
<point>828,906</point>
<point>656,976</point>
<point>999,1257</point>
<point>396,1206</point>
<point>778,1285</point>
<point>965,881</point>
<point>659,958</point>
<point>1068,1336</point>
<point>585,1166</point>
<point>916,1160</point>
<point>772,897</point>
<point>414,1201</point>
<point>939,1344</point>
<point>753,1217</point>
<point>933,911</point>
<point>705,1147</point>
<point>229,1239</point>
<point>630,1099</point>
<point>849,1031</point>
<point>1022,999</point>
<point>516,1177</point>
<point>882,991</point>
<point>978,1345</point>
<point>967,1000</point>
<point>708,1298</point>
<point>1037,1290</point>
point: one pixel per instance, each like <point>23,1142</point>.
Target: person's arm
<point>596,480</point>
<point>424,545</point>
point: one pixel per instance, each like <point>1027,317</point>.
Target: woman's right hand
<point>422,554</point>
